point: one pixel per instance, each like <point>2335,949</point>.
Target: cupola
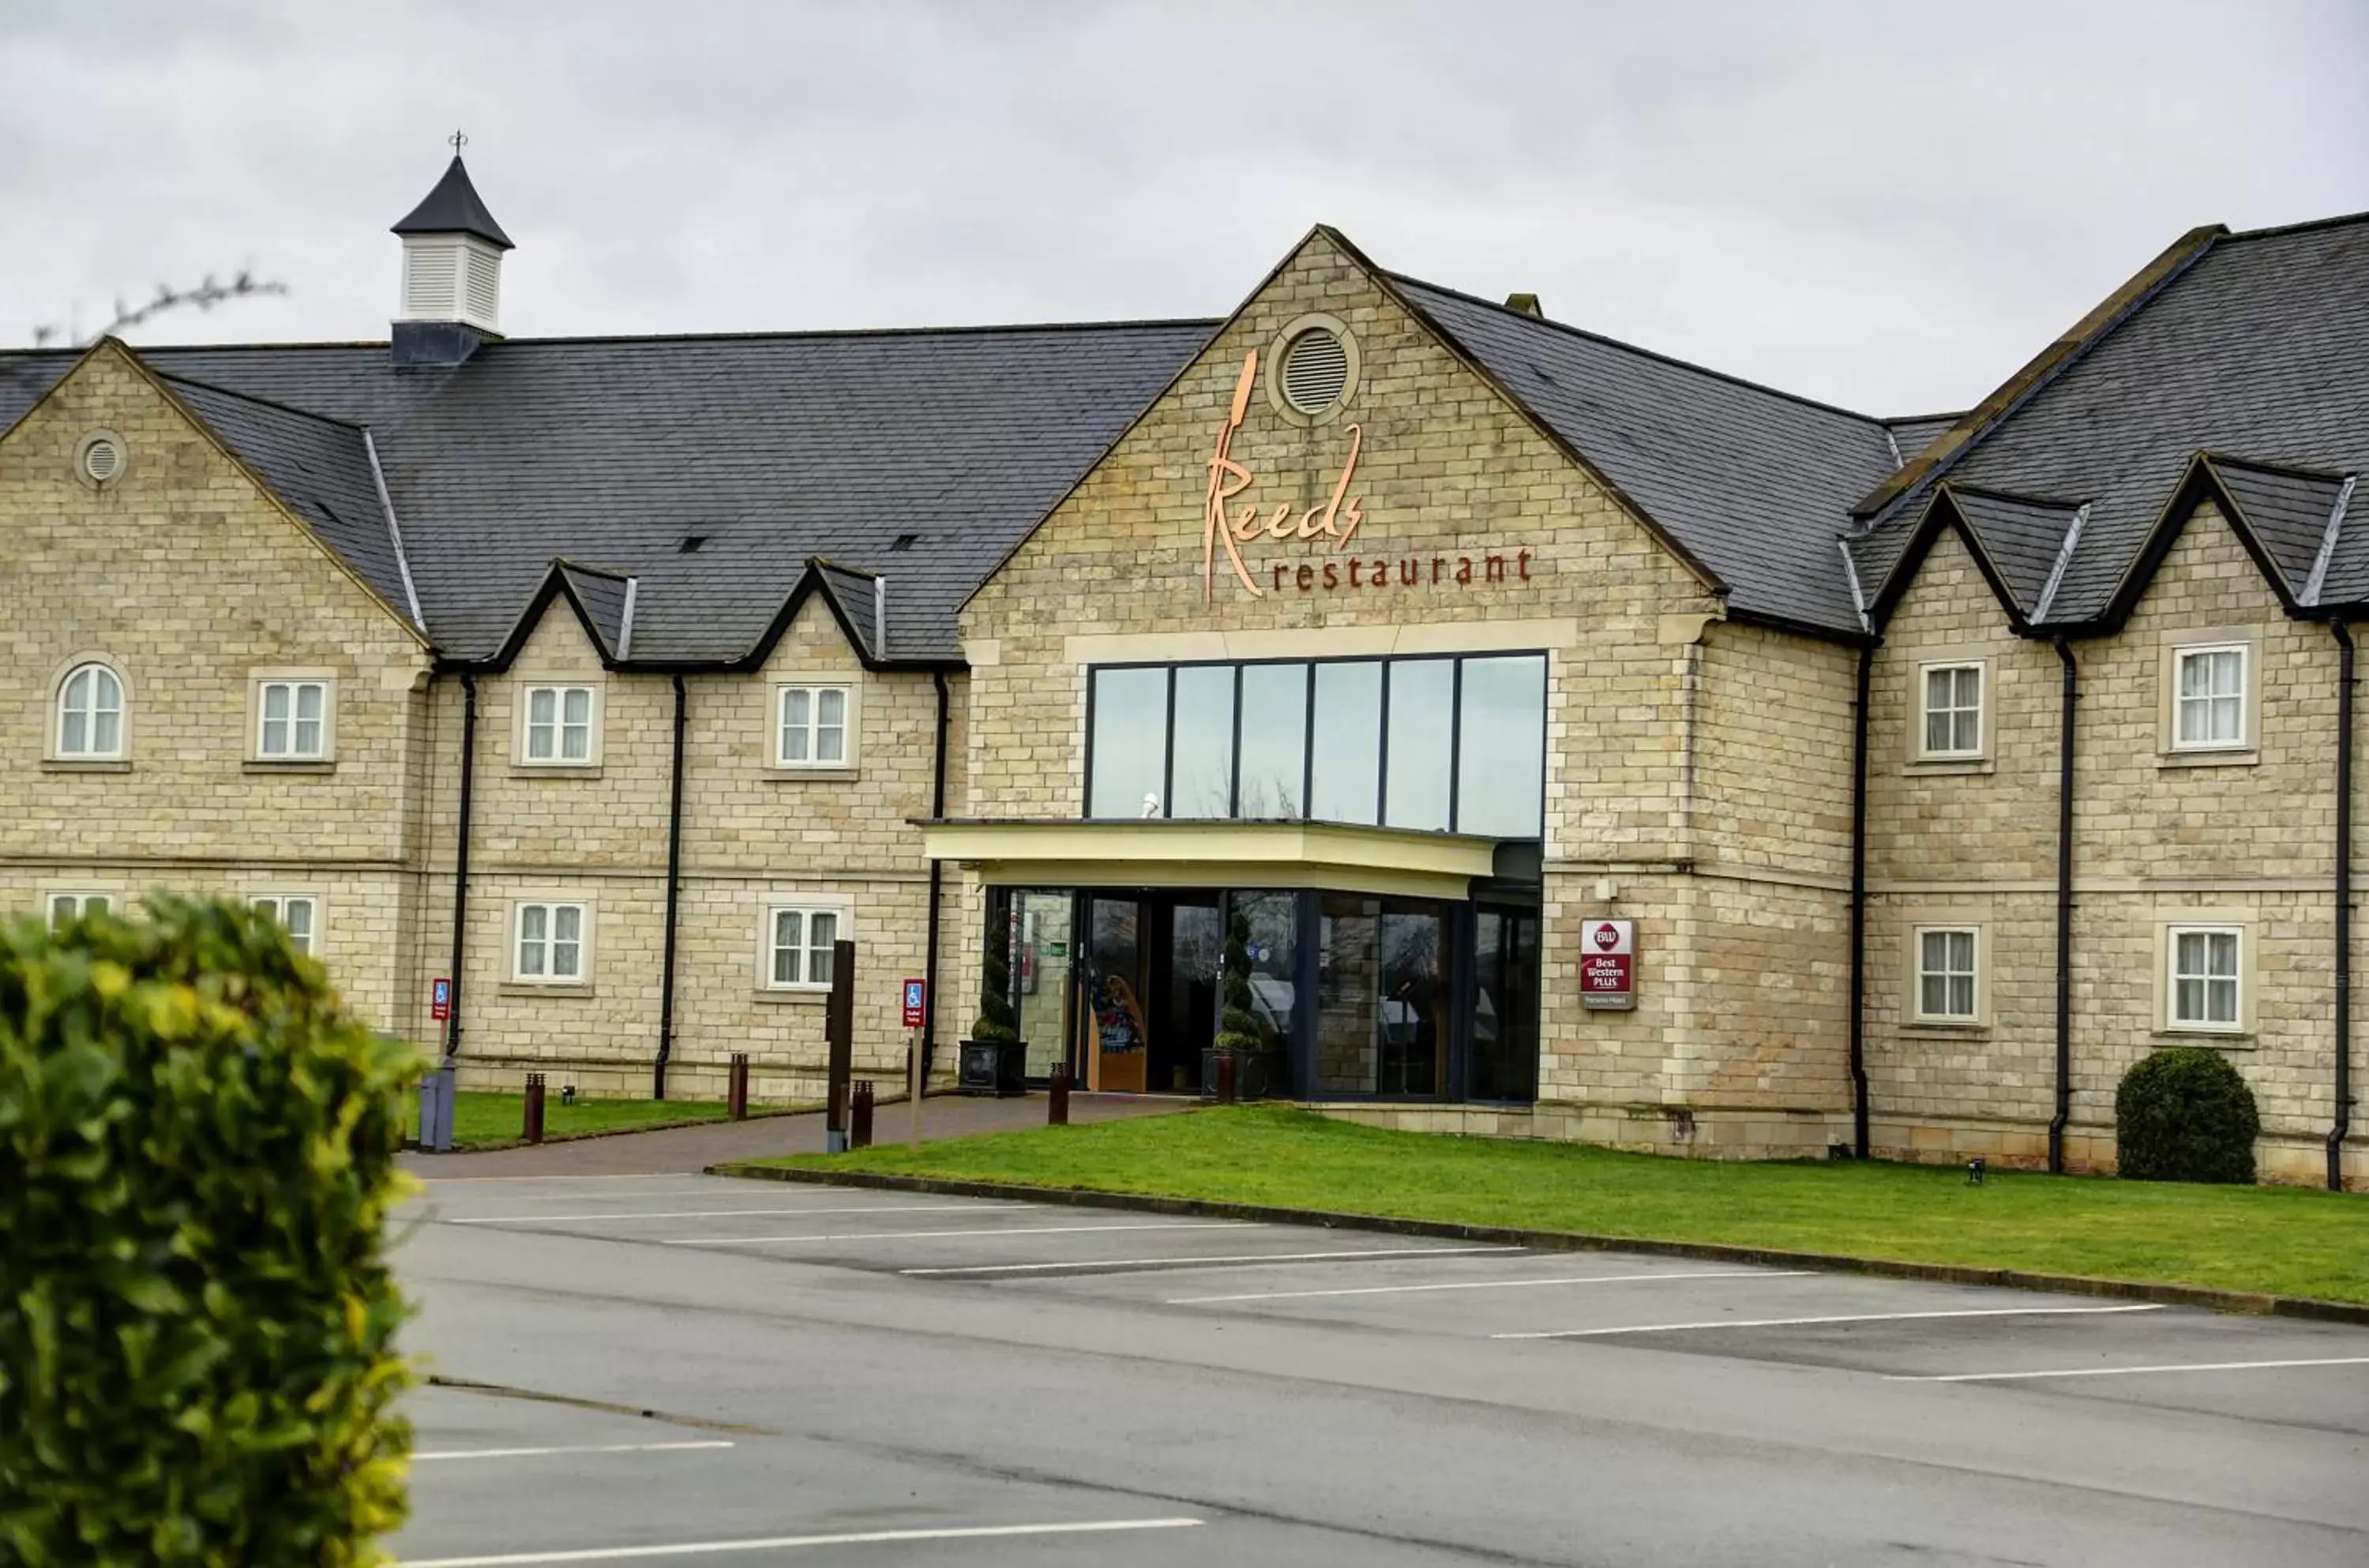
<point>452,272</point>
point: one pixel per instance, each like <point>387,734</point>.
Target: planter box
<point>1253,1073</point>
<point>992,1066</point>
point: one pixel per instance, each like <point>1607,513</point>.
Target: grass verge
<point>2280,1241</point>
<point>491,1120</point>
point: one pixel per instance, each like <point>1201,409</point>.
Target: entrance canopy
<point>1171,852</point>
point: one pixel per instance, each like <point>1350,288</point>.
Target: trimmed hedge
<point>197,1159</point>
<point>2183,1115</point>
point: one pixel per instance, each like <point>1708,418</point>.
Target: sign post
<point>1608,965</point>
<point>917,1013</point>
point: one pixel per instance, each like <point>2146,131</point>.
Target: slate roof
<point>453,207</point>
<point>1914,432</point>
<point>1754,483</point>
<point>769,451</point>
<point>2255,350</point>
<point>602,596</point>
<point>2022,537</point>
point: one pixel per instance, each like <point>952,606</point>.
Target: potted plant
<point>994,1060</point>
<point>1240,1048</point>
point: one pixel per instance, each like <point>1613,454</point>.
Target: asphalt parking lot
<point>695,1368</point>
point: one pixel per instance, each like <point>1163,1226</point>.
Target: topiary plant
<point>1238,1027</point>
<point>2184,1115</point>
<point>997,1024</point>
<point>197,1323</point>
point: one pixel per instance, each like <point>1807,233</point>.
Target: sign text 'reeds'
<point>1337,520</point>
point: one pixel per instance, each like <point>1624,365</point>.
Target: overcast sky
<point>1888,206</point>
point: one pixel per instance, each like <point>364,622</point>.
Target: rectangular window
<point>293,720</point>
<point>1501,740</point>
<point>1346,782</point>
<point>296,913</point>
<point>559,725</point>
<point>550,943</point>
<point>1946,988</point>
<point>799,948</point>
<point>1952,703</point>
<point>1128,757</point>
<point>65,908</point>
<point>2205,980</point>
<point>1422,743</point>
<point>2209,698</point>
<point>812,727</point>
<point>1274,741</point>
<point>1201,762</point>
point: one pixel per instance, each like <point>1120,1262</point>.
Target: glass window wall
<point>1422,743</point>
<point>1129,760</point>
<point>1346,781</point>
<point>1201,764</point>
<point>1274,741</point>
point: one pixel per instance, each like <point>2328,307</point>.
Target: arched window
<point>90,714</point>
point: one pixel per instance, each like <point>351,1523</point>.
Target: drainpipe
<point>1858,909</point>
<point>673,898</point>
<point>937,810</point>
<point>2064,1113</point>
<point>2343,1125</point>
<point>461,860</point>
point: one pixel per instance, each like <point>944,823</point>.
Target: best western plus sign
<point>1608,964</point>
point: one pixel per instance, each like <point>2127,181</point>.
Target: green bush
<point>2183,1115</point>
<point>1238,1028</point>
<point>997,1022</point>
<point>197,1158</point>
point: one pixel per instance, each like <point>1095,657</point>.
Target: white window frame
<point>770,953</point>
<point>292,747</point>
<point>813,729</point>
<point>2174,1021</point>
<point>2242,697</point>
<point>80,899</point>
<point>559,724</point>
<point>543,922</point>
<point>1926,711</point>
<point>59,750</point>
<point>277,905</point>
<point>1975,974</point>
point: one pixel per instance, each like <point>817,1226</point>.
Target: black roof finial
<point>454,206</point>
<point>458,142</point>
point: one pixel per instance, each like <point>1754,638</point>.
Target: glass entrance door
<point>1040,976</point>
<point>1184,993</point>
<point>1115,1033</point>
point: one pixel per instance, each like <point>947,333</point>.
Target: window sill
<point>2235,757</point>
<point>86,765</point>
<point>780,772</point>
<point>1951,765</point>
<point>2224,1039</point>
<point>288,765</point>
<point>555,770</point>
<point>784,996</point>
<point>1935,1029</point>
<point>542,988</point>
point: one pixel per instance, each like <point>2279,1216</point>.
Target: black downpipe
<point>2342,1129</point>
<point>2064,1113</point>
<point>1858,909</point>
<point>673,898</point>
<point>937,812</point>
<point>460,863</point>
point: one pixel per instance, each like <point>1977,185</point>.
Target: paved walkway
<point>678,1149</point>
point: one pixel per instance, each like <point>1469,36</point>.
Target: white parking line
<point>1244,1258</point>
<point>1496,1284</point>
<point>1850,1318</point>
<point>617,1176</point>
<point>728,1213</point>
<point>540,1453</point>
<point>941,1235</point>
<point>782,1543</point>
<point>2127,1372</point>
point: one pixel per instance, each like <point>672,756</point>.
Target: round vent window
<point>99,459</point>
<point>1313,370</point>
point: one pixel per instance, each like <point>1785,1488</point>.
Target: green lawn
<point>481,1118</point>
<point>2281,1240</point>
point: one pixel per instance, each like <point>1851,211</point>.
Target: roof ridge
<point>2232,460</point>
<point>1918,418</point>
<point>173,380</point>
<point>569,562</point>
<point>1564,326</point>
<point>806,333</point>
<point>2058,503</point>
<point>2305,227</point>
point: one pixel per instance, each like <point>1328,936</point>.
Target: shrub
<point>1238,1027</point>
<point>2183,1115</point>
<point>197,1157</point>
<point>997,1024</point>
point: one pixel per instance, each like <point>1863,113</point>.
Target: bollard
<point>1229,1069</point>
<point>1057,1098</point>
<point>533,1107</point>
<point>859,1118</point>
<point>737,1095</point>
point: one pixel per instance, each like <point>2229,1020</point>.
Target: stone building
<point>1573,742</point>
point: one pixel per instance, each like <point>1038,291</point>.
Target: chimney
<point>1525,305</point>
<point>452,272</point>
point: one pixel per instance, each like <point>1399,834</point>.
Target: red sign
<point>1608,964</point>
<point>916,1003</point>
<point>440,999</point>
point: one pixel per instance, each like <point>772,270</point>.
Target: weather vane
<point>458,142</point>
